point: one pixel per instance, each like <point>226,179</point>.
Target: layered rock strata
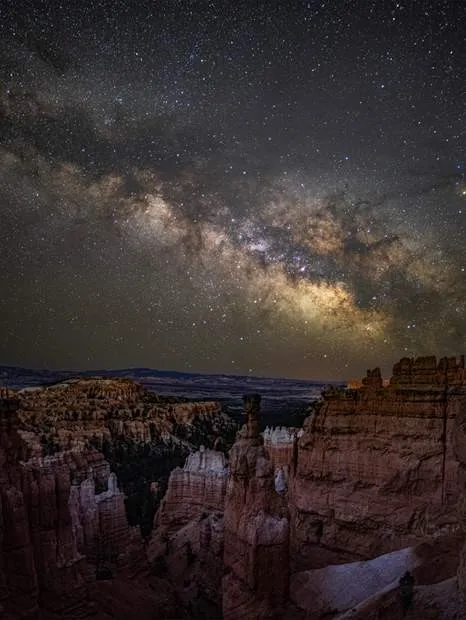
<point>196,488</point>
<point>141,435</point>
<point>64,532</point>
<point>68,415</point>
<point>281,444</point>
<point>187,540</point>
<point>373,481</point>
<point>375,468</point>
<point>448,372</point>
<point>256,547</point>
<point>40,561</point>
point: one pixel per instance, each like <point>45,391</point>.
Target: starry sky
<point>273,188</point>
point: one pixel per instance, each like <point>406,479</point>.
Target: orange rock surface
<point>376,469</point>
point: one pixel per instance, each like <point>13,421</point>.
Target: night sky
<point>272,188</point>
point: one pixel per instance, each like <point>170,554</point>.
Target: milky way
<point>265,188</point>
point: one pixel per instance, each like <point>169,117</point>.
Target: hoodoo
<point>256,553</point>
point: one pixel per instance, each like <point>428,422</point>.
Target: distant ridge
<point>285,401</point>
<point>44,376</point>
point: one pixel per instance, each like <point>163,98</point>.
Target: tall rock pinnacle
<point>256,551</point>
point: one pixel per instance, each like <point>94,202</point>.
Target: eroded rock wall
<point>256,547</point>
<point>460,453</point>
<point>187,539</point>
<point>196,488</point>
<point>281,444</point>
<point>376,469</point>
<point>40,561</point>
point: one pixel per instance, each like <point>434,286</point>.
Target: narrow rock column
<point>256,548</point>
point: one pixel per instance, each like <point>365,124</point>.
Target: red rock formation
<point>425,371</point>
<point>103,389</point>
<point>375,468</point>
<point>40,560</point>
<point>187,540</point>
<point>256,548</point>
<point>460,453</point>
<point>373,379</point>
<point>281,445</point>
<point>375,472</point>
<point>436,595</point>
<point>62,516</point>
<point>198,487</point>
<point>99,523</point>
<point>68,415</point>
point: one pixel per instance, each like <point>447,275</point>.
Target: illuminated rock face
<point>281,444</point>
<point>187,539</point>
<point>376,470</point>
<point>198,487</point>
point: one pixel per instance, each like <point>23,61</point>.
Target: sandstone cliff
<point>39,553</point>
<point>281,444</point>
<point>142,436</point>
<point>375,468</point>
<point>187,542</point>
<point>437,594</point>
<point>309,523</point>
<point>460,453</point>
<point>256,546</point>
<point>187,539</point>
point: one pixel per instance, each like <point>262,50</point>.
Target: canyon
<point>322,522</point>
<point>78,461</point>
<point>314,522</point>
